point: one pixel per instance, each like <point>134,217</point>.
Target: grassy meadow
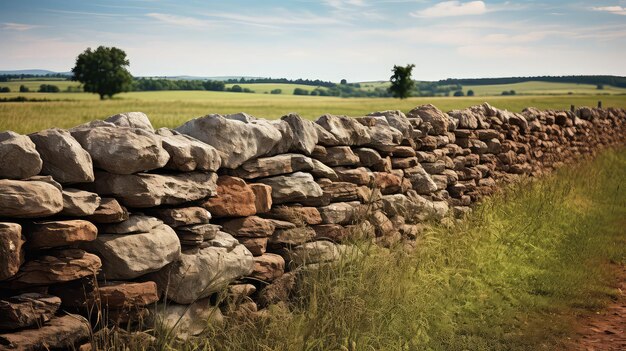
<point>512,276</point>
<point>172,108</point>
<point>266,88</point>
<point>541,88</point>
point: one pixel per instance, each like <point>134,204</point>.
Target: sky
<point>357,40</point>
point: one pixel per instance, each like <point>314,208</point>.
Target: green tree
<point>401,82</point>
<point>103,71</point>
<point>343,82</point>
<point>24,89</point>
<point>470,92</point>
<point>300,91</point>
<point>459,93</point>
<point>276,91</point>
<point>236,89</point>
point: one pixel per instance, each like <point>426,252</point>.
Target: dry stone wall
<point>116,215</point>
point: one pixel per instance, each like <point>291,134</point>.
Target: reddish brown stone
<point>257,246</point>
<point>334,232</point>
<point>27,310</point>
<point>56,267</point>
<point>63,332</point>
<point>250,227</point>
<point>109,211</point>
<point>263,197</point>
<point>297,215</point>
<point>59,233</point>
<point>234,198</point>
<point>268,267</point>
<point>388,183</point>
<point>11,253</point>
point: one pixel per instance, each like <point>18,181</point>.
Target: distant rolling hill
<point>34,72</point>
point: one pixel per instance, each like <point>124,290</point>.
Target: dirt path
<point>604,330</point>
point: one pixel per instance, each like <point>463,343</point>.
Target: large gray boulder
<point>150,190</point>
<point>275,165</point>
<point>421,181</point>
<point>79,203</point>
<point>304,131</point>
<point>19,158</point>
<point>287,137</point>
<point>294,187</point>
<point>132,120</point>
<point>381,133</point>
<point>187,153</point>
<point>201,272</point>
<point>396,119</point>
<point>122,150</point>
<point>133,255</point>
<point>346,130</point>
<point>29,199</point>
<point>438,120</point>
<point>237,141</point>
<point>63,157</point>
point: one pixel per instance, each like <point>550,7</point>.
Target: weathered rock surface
<point>134,224</point>
<point>43,235</point>
<point>109,211</point>
<point>337,156</point>
<point>62,333</point>
<point>274,165</point>
<point>56,267</point>
<point>130,256</point>
<point>295,187</point>
<point>187,153</point>
<point>127,294</point>
<point>262,197</point>
<point>279,290</point>
<point>296,214</point>
<point>131,120</point>
<point>122,150</point>
<point>305,133</point>
<point>338,213</point>
<point>79,203</point>
<point>176,217</point>
<point>256,246</point>
<point>63,157</point>
<point>27,310</point>
<point>268,267</point>
<point>313,252</point>
<point>19,157</point>
<point>11,254</point>
<point>430,114</point>
<point>234,198</point>
<point>150,190</point>
<point>251,227</point>
<point>28,199</point>
<point>199,273</point>
<point>188,320</point>
<point>236,141</point>
<point>346,130</point>
<point>292,236</point>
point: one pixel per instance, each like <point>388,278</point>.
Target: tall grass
<point>510,277</point>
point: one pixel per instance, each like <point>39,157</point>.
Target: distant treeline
<point>152,84</point>
<point>616,81</point>
<point>315,83</point>
<point>8,77</point>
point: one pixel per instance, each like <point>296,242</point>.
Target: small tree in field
<point>103,71</point>
<point>401,81</point>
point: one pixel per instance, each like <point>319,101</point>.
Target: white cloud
<point>618,10</point>
<point>453,8</point>
<point>18,26</point>
<point>284,18</point>
<point>181,21</point>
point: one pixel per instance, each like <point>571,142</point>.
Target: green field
<point>33,85</point>
<point>172,108</point>
<point>541,88</point>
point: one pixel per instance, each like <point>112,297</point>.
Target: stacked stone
<point>42,223</point>
<point>117,215</point>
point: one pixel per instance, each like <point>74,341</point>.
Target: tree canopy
<point>401,82</point>
<point>103,71</point>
